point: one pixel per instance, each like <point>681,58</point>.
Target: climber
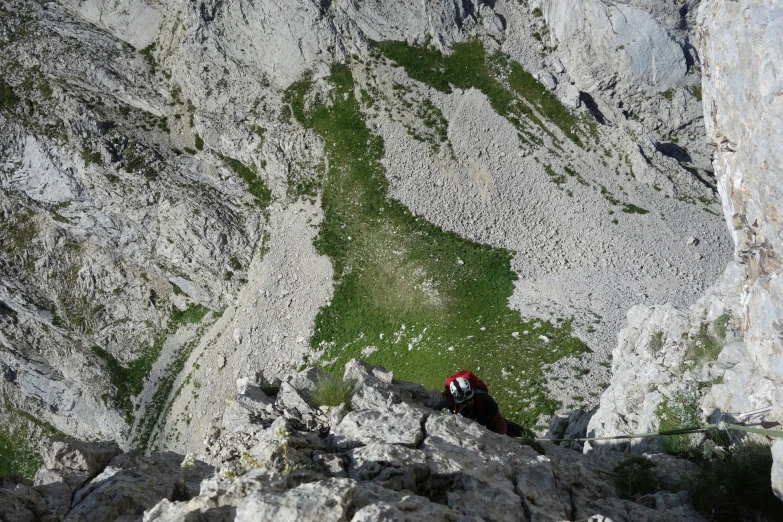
<point>466,394</point>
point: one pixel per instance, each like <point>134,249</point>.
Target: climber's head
<point>461,390</point>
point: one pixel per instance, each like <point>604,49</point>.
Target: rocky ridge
<point>387,456</point>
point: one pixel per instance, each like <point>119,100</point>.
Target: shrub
<point>633,477</point>
<point>333,391</point>
<point>732,487</point>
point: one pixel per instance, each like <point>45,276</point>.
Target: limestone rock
<point>391,465</point>
<point>131,483</point>
<point>401,425</point>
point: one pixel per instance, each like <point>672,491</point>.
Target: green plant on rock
<point>721,325</point>
<point>255,184</point>
<point>634,477</point>
<point>655,344</point>
<point>680,411</point>
<point>513,92</point>
<point>333,391</point>
<point>703,347</point>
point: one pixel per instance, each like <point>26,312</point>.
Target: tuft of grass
<point>629,208</point>
<point>89,157</point>
<point>633,478</point>
<point>737,485</point>
<point>721,324</point>
<point>429,301</point>
<point>198,142</point>
<point>333,391</point>
<point>255,185</point>
<point>148,54</point>
<point>703,347</point>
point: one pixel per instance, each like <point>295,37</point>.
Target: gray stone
<point>390,465</point>
<point>401,425</point>
<point>131,484</point>
<point>73,461</point>
<point>570,96</point>
<point>547,79</point>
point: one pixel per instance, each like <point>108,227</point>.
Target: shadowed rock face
<point>398,460</point>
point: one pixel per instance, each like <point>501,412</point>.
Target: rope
<point>719,424</point>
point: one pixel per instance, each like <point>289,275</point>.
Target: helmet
<point>460,389</point>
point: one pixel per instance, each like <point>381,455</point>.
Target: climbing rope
<point>720,424</point>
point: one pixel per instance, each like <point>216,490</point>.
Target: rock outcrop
<point>392,460</point>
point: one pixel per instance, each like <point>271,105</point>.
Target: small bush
<point>333,391</point>
<point>633,477</point>
<point>735,486</point>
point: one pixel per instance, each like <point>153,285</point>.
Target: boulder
<point>401,425</point>
<point>69,455</point>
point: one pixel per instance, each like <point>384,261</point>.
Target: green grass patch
<point>332,391</point>
<point>512,91</point>
<point>128,380</point>
<point>148,54</point>
<point>17,454</point>
<point>255,185</point>
<point>19,451</point>
<point>430,301</point>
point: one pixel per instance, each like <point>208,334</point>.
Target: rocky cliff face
<point>388,457</point>
<point>738,319</point>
